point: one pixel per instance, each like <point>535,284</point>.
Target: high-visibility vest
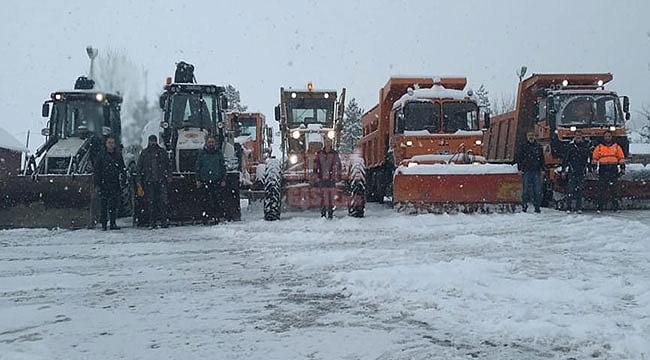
<point>608,154</point>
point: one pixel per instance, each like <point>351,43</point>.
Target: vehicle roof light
<point>565,82</point>
<point>99,97</point>
<point>310,86</point>
<point>600,83</point>
<point>58,97</point>
<point>168,80</point>
<point>326,95</point>
<point>293,95</point>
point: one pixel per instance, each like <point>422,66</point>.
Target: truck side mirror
<point>45,132</point>
<point>550,105</point>
<point>277,113</point>
<point>486,120</point>
<point>45,111</point>
<point>627,116</point>
<point>224,102</point>
<point>626,104</point>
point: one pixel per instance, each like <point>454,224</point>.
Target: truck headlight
<point>99,97</point>
<point>295,134</point>
<point>478,142</point>
<point>293,159</point>
<point>331,134</point>
<point>573,128</point>
<point>409,143</point>
<point>412,164</point>
<point>612,128</point>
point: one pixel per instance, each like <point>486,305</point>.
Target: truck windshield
<point>246,126</point>
<point>311,111</point>
<point>421,116</point>
<point>460,116</point>
<point>589,110</point>
<point>77,117</point>
<point>193,110</point>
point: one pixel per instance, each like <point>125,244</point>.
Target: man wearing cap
<point>574,168</point>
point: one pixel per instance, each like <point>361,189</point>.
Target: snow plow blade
<point>452,188</point>
<point>49,201</point>
<point>633,189</point>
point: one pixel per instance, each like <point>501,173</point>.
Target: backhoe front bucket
<point>186,201</point>
<point>48,201</point>
<point>467,188</point>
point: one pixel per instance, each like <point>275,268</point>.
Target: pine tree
<point>351,131</point>
<point>483,99</point>
<point>234,101</point>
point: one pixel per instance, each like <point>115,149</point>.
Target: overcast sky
<point>259,46</point>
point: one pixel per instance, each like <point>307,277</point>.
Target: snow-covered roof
<point>434,92</point>
<point>9,142</point>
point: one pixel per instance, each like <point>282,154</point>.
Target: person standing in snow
<point>327,170</point>
<point>608,157</point>
<point>210,176</point>
<point>109,171</point>
<point>153,173</point>
<point>530,162</point>
<point>575,166</point>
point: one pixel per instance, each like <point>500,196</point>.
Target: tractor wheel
<point>272,190</point>
<point>356,205</point>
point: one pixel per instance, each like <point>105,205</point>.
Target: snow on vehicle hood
<point>456,169</point>
<point>65,147</point>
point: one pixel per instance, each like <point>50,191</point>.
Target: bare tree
<point>503,104</point>
<point>116,73</point>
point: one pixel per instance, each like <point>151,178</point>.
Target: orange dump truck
<point>422,145</point>
<point>253,139</point>
<point>555,106</point>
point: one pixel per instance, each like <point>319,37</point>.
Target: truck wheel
<point>356,205</point>
<point>272,190</point>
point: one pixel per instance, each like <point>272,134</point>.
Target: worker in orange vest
<point>609,160</point>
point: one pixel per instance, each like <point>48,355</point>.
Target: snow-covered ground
<point>388,286</point>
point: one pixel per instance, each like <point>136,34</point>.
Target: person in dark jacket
<point>574,167</point>
<point>608,157</point>
<point>110,172</point>
<point>210,176</point>
<point>153,173</point>
<point>530,162</point>
<point>327,170</point>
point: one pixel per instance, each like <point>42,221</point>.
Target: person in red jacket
<point>609,160</point>
<point>327,169</point>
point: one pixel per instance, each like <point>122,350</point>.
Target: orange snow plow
<point>437,184</point>
<point>423,150</point>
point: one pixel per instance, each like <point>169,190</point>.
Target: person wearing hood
<point>608,157</point>
<point>530,162</point>
<point>210,177</point>
<point>575,166</point>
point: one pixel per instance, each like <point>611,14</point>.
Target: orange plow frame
<point>457,192</point>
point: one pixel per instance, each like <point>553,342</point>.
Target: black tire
<point>272,190</point>
<point>356,205</point>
